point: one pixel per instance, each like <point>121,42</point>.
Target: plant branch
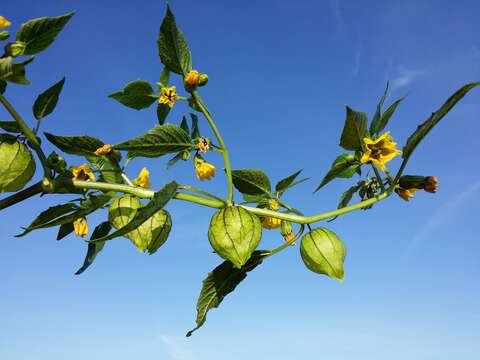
<point>21,195</point>
<point>379,178</point>
<point>226,158</point>
<point>31,137</point>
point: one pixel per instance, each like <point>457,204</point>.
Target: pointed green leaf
<point>172,46</point>
<point>354,130</point>
<point>195,129</point>
<point>137,95</point>
<point>111,172</point>
<point>184,125</point>
<point>286,182</point>
<point>378,113</point>
<point>47,101</point>
<point>39,33</point>
<point>251,181</point>
<point>75,145</point>
<point>10,126</point>
<point>158,141</point>
<point>174,160</point>
<point>3,86</point>
<point>164,77</point>
<point>162,112</point>
<point>14,73</point>
<point>344,166</point>
<point>49,215</point>
<point>160,199</point>
<point>423,129</point>
<point>94,248</point>
<point>64,230</point>
<point>346,198</point>
<point>220,282</point>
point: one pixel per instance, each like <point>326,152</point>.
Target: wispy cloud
<point>337,14</point>
<point>404,77</point>
<point>357,60</point>
<point>176,348</point>
<point>440,218</point>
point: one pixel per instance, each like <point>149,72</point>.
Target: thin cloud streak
<point>405,77</point>
<point>176,348</point>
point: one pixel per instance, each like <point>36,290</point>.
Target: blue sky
<point>280,75</point>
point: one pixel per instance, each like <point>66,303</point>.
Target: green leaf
<point>164,77</point>
<point>14,73</point>
<point>65,230</point>
<point>110,171</point>
<point>172,46</point>
<point>184,125</point>
<point>220,282</point>
<point>47,101</point>
<point>3,86</point>
<point>10,126</point>
<point>75,145</point>
<point>251,181</point>
<point>354,130</point>
<point>94,248</point>
<point>137,95</point>
<point>346,198</point>
<point>38,34</point>
<point>160,199</point>
<point>195,129</point>
<point>158,141</point>
<point>378,113</point>
<point>6,67</point>
<point>255,199</point>
<point>174,160</point>
<point>67,213</point>
<point>162,112</point>
<point>344,166</point>
<point>423,129</point>
<point>286,182</point>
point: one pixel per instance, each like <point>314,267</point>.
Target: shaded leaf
<point>162,113</point>
<point>378,113</point>
<point>75,145</point>
<point>38,34</point>
<point>172,46</point>
<point>195,129</point>
<point>3,86</point>
<point>47,101</point>
<point>158,141</point>
<point>251,181</point>
<point>174,160</point>
<point>160,199</point>
<point>137,95</point>
<point>10,126</point>
<point>184,125</point>
<point>64,230</point>
<point>110,172</point>
<point>94,248</point>
<point>344,166</point>
<point>221,282</point>
<point>387,115</point>
<point>354,130</point>
<point>346,198</point>
<point>424,128</point>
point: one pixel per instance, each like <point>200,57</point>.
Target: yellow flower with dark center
<point>203,145</point>
<point>104,150</point>
<point>80,227</point>
<point>192,78</point>
<point>4,23</point>
<point>143,179</point>
<point>380,151</point>
<point>204,170</point>
<point>82,172</point>
<point>431,184</point>
<point>406,194</point>
<point>168,95</point>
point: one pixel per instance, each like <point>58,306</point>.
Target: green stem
<point>379,178</point>
<point>21,195</point>
<point>226,158</point>
<point>31,137</point>
<point>199,191</point>
<point>288,243</point>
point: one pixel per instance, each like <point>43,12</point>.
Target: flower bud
<point>191,80</point>
<point>15,49</point>
<point>203,80</point>
<point>431,184</point>
<point>286,230</point>
<point>104,150</point>
<point>80,227</point>
<point>406,194</point>
<point>56,162</point>
<point>203,169</point>
<point>185,155</point>
<point>411,181</point>
<point>234,234</point>
<point>143,179</point>
<point>4,23</point>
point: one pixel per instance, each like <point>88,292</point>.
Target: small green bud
<point>286,230</point>
<point>203,80</point>
<point>15,49</point>
<point>185,155</point>
<point>56,162</point>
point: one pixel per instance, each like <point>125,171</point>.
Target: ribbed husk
<point>17,166</point>
<point>323,253</point>
<point>234,234</point>
<point>151,234</point>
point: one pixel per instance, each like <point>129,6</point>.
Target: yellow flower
<point>380,151</point>
<point>104,150</point>
<point>143,179</point>
<point>82,172</point>
<point>192,78</point>
<point>80,227</point>
<point>203,145</point>
<point>271,223</point>
<point>168,95</point>
<point>406,194</point>
<point>4,23</point>
<point>204,170</point>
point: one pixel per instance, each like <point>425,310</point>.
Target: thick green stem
<point>379,178</point>
<point>21,195</point>
<point>226,158</point>
<point>31,137</point>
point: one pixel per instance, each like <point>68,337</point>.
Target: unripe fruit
<point>234,234</point>
<point>151,234</point>
<point>17,165</point>
<point>323,253</point>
